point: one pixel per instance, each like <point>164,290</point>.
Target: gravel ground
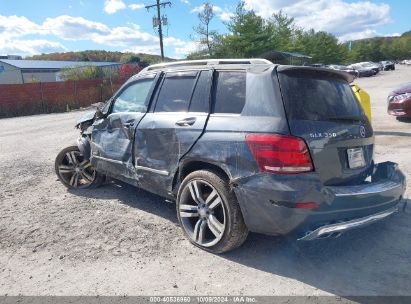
<point>119,240</point>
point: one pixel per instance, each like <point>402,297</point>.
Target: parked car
<point>388,65</point>
<point>316,65</point>
<point>344,68</point>
<point>238,154</point>
<point>364,71</point>
<point>399,101</point>
<point>364,99</point>
<point>377,67</point>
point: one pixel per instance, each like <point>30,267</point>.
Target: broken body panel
<point>152,150</point>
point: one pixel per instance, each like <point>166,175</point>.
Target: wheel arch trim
<point>83,145</point>
<point>191,165</point>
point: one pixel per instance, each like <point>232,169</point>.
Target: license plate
<point>356,158</point>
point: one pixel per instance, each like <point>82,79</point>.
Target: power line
<point>158,22</point>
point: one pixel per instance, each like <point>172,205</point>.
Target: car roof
<point>207,62</point>
<point>232,64</point>
<point>190,65</point>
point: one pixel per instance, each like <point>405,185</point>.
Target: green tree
<point>321,46</point>
<point>84,72</point>
<point>283,32</point>
<point>361,51</point>
<point>129,58</point>
<point>205,35</point>
<point>249,35</point>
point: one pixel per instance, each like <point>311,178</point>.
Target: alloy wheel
<point>202,213</point>
<point>76,171</point>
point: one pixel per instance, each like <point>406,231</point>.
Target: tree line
<point>100,55</point>
<point>120,73</point>
<point>250,35</point>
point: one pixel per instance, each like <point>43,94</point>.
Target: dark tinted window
<point>310,96</point>
<point>175,93</point>
<point>200,99</point>
<point>230,92</point>
<point>134,97</point>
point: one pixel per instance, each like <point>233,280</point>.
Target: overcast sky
<point>30,27</point>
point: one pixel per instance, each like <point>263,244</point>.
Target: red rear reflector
<point>306,205</point>
<point>277,153</point>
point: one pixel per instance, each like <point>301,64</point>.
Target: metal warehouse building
<point>24,71</point>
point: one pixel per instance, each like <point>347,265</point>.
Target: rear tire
<point>209,213</point>
<point>76,172</point>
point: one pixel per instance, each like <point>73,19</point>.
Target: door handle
<point>128,124</point>
<point>186,122</point>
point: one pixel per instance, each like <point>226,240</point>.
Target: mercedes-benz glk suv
<point>240,145</point>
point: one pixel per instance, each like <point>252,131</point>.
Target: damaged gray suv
<point>240,145</point>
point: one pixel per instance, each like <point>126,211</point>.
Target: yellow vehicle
<point>364,99</point>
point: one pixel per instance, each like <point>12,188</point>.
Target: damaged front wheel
<point>76,172</point>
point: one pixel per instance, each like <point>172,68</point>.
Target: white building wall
<point>12,75</point>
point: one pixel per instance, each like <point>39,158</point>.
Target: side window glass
<point>200,99</point>
<point>176,91</point>
<point>134,98</point>
<point>230,92</point>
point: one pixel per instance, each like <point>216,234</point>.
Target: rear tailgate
<point>323,110</point>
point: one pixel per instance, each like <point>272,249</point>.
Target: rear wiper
<point>346,118</point>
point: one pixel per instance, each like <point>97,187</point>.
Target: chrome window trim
<point>224,115</point>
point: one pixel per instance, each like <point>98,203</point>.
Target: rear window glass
<point>230,92</point>
<point>308,96</point>
<point>175,93</point>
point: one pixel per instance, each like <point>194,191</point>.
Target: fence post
<point>111,86</point>
<point>101,92</point>
<point>76,100</point>
<point>43,109</point>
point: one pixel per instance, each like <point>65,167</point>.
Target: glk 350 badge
<point>323,135</point>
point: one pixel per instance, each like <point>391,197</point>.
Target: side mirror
<point>99,114</point>
<point>102,109</point>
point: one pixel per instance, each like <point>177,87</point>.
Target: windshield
<point>312,96</point>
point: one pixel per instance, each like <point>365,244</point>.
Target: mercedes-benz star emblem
<point>362,131</point>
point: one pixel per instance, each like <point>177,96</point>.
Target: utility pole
<point>159,22</point>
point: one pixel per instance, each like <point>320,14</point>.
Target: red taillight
<point>306,205</point>
<point>280,153</point>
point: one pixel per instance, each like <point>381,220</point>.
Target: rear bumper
<point>269,202</point>
<point>339,228</point>
<point>402,109</point>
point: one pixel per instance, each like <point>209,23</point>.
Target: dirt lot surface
<point>119,240</point>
